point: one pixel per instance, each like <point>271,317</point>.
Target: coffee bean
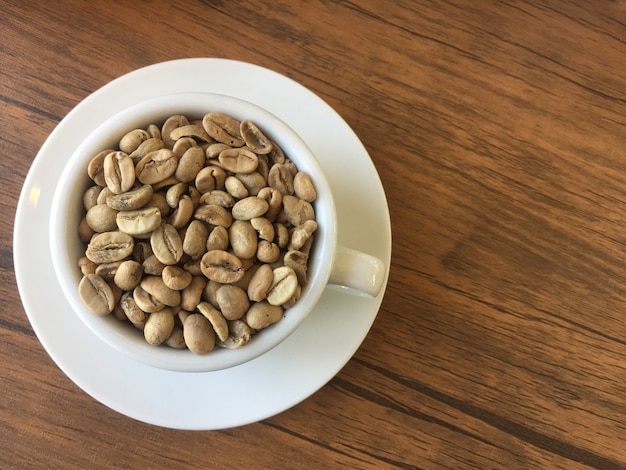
<point>96,294</point>
<point>109,246</point>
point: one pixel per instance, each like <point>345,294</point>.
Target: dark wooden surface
<point>499,133</point>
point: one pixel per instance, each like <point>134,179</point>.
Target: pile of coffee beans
<point>197,232</point>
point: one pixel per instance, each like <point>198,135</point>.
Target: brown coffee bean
<point>152,265</point>
<point>301,234</point>
<point>107,270</point>
<point>274,199</point>
<point>182,145</point>
<point>177,339</point>
<point>213,150</point>
<point>253,182</point>
<point>263,227</point>
<point>174,193</point>
<point>235,187</point>
<point>276,155</point>
<point>96,294</point>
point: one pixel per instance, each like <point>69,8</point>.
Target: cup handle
<point>356,270</point>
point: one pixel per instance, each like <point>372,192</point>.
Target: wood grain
<point>498,131</point>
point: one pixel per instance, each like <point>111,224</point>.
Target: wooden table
<point>498,132</point>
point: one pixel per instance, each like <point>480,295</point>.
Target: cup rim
<point>67,204</point>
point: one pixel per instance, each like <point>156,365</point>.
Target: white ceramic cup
<point>360,273</point>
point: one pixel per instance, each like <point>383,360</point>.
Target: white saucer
<point>276,381</point>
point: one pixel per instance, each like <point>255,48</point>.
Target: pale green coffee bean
<point>156,287</point>
<point>260,283</point>
<point>109,246</point>
<point>166,244</point>
<point>139,221</point>
<point>101,218</point>
<point>216,319</point>
<point>303,187</point>
<point>214,215</point>
<point>263,314</point>
<point>238,160</point>
<point>239,334</point>
<point>130,200</point>
<point>128,275</point>
<point>156,166</point>
<point>198,333</point>
<point>133,139</point>
<point>169,125</point>
<point>223,128</point>
<point>119,172</point>
<point>96,294</point>
<point>159,326</point>
<point>254,138</point>
<point>195,240</point>
<point>232,301</point>
<point>243,239</point>
<point>284,285</point>
<point>222,266</point>
<point>249,208</point>
<point>190,164</point>
<point>297,211</point>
